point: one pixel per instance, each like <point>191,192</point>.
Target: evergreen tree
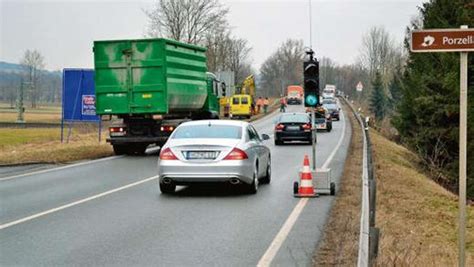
<point>395,89</point>
<point>378,99</point>
<point>428,112</point>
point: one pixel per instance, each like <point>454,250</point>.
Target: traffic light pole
<point>314,137</point>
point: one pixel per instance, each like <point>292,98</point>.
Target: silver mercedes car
<point>214,151</point>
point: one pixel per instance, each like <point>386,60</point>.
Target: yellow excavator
<point>242,104</point>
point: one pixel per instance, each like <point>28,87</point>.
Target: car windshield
<point>294,93</point>
<point>328,101</point>
<point>302,118</point>
<point>331,106</point>
<point>319,115</point>
<point>208,131</point>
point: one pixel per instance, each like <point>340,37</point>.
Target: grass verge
<point>47,114</point>
<point>417,217</point>
<point>29,145</point>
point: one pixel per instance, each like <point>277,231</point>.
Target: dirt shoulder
<point>340,243</point>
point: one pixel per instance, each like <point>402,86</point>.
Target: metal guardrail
<point>369,234</point>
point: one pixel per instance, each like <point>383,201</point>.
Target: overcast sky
<point>63,31</point>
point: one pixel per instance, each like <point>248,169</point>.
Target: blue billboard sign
<point>79,95</point>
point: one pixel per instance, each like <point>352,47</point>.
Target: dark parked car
<point>293,127</point>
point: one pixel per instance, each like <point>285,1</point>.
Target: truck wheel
<point>278,142</point>
<point>138,149</point>
<point>120,149</point>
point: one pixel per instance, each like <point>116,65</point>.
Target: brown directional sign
<point>442,40</point>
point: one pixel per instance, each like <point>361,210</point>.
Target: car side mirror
<point>265,137</point>
<point>339,108</point>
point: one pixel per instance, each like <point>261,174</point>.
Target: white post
<point>462,157</point>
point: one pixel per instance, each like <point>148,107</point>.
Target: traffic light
<point>223,86</point>
<point>311,82</point>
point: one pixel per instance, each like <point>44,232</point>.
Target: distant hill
<point>18,68</point>
<point>11,75</point>
<point>11,67</point>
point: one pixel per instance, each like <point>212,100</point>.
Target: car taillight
<point>236,154</point>
<point>166,128</point>
<point>307,126</point>
<point>117,131</point>
<point>279,127</point>
<point>167,154</point>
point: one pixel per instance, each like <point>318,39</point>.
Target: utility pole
<point>310,27</point>
<point>19,104</point>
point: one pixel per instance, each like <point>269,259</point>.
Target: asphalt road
<point>110,212</point>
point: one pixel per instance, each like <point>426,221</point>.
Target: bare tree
<point>238,56</point>
<point>218,45</point>
<point>34,63</point>
<point>185,20</point>
<point>327,71</point>
<point>284,67</point>
<point>378,51</point>
<point>271,73</point>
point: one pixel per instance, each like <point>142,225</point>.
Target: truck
<point>294,94</point>
<point>329,91</point>
<point>149,87</point>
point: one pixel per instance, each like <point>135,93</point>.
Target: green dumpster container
<point>149,76</point>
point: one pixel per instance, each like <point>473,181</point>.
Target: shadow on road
<point>211,190</point>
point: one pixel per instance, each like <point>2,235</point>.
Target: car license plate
<point>321,126</point>
<point>293,128</point>
<point>201,154</point>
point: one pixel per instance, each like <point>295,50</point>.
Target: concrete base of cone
<point>296,194</point>
<point>301,195</point>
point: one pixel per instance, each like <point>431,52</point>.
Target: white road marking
<point>46,212</point>
<point>277,242</point>
<point>282,234</point>
<point>59,168</point>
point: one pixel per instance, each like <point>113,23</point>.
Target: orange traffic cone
<point>305,188</point>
